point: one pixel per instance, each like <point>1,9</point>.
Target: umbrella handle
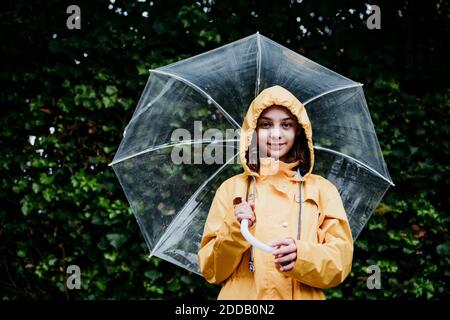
<point>253,241</point>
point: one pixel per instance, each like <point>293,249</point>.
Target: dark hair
<point>299,151</point>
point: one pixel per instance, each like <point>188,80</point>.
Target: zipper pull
<point>251,266</point>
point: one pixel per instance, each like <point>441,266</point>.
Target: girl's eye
<point>287,125</point>
<point>264,124</point>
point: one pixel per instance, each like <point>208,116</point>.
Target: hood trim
<point>275,95</point>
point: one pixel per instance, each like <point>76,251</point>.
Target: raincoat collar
<point>270,166</point>
<point>275,95</point>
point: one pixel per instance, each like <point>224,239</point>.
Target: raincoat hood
<point>269,97</point>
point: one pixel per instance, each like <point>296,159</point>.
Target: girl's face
<point>276,131</point>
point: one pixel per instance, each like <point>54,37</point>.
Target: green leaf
<point>116,239</point>
<point>443,249</point>
<point>36,187</point>
<point>153,275</point>
<point>111,90</point>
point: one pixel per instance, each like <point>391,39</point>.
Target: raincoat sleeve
<point>327,263</point>
<point>222,244</point>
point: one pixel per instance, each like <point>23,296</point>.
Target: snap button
<point>284,224</point>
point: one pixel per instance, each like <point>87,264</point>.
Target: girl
<point>298,213</point>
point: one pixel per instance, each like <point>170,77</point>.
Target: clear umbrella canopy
<point>183,139</point>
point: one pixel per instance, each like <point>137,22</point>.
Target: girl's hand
<point>244,211</point>
<point>285,253</point>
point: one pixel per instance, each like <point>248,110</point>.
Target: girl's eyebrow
<point>290,118</point>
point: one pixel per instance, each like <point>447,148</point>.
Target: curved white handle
<point>253,241</point>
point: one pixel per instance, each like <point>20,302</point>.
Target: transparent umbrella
<point>183,139</point>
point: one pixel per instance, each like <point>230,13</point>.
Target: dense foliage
<point>66,96</point>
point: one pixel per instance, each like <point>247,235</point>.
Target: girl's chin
<point>276,155</point>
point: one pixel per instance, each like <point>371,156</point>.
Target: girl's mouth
<point>276,146</point>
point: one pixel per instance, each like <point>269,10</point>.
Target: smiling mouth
<point>276,145</point>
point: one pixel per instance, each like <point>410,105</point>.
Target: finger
<point>243,209</point>
<point>242,217</point>
<point>285,242</point>
<point>289,267</point>
<point>243,212</point>
<point>250,222</point>
<point>280,252</point>
<point>276,243</point>
<point>248,214</point>
<point>247,206</point>
<point>245,215</point>
<point>243,204</point>
<point>286,258</point>
<point>285,250</point>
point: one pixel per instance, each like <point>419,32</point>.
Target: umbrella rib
<point>197,88</point>
<point>333,90</point>
<point>357,161</point>
<point>171,144</point>
<point>188,203</point>
<point>258,63</point>
<point>166,88</point>
<point>171,65</point>
<point>175,262</point>
<point>308,60</point>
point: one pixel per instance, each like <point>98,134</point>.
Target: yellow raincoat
<point>325,248</point>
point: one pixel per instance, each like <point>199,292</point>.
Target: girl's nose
<point>275,133</point>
